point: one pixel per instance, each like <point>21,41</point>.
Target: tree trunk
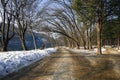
<point>34,40</point>
<point>78,45</point>
<point>84,44</point>
<point>118,43</point>
<point>87,39</point>
<point>68,43</point>
<point>23,43</point>
<point>90,39</point>
<point>99,35</point>
<point>3,32</point>
<point>4,47</point>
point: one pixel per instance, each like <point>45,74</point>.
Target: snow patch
<point>14,60</point>
<point>103,49</point>
<point>118,50</point>
<point>91,52</point>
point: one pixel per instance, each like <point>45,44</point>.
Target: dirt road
<point>67,65</point>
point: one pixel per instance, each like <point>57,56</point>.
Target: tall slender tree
<point>99,10</point>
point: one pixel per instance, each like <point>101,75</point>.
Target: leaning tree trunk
<point>33,36</point>
<point>34,40</point>
<point>22,39</point>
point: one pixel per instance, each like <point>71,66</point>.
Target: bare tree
<point>21,9</point>
<point>64,21</point>
<point>7,25</point>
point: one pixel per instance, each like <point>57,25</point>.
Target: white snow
<point>118,50</point>
<point>103,49</point>
<point>92,52</point>
<point>14,60</point>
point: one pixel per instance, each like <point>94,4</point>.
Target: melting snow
<point>14,60</point>
<point>92,52</point>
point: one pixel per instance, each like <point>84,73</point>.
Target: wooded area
<point>77,23</point>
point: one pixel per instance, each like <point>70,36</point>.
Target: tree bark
<point>4,47</point>
<point>23,44</point>
<point>90,40</point>
<point>118,43</point>
<point>34,40</point>
<point>87,39</point>
<point>78,45</point>
<point>99,35</point>
<point>3,31</point>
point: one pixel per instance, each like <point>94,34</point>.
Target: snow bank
<point>15,60</point>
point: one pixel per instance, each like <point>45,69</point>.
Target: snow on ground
<point>118,50</point>
<point>103,49</point>
<point>14,60</point>
<point>92,52</point>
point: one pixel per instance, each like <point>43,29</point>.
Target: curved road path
<point>68,65</point>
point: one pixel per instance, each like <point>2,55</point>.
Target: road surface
<point>68,65</point>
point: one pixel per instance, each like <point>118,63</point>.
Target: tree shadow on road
<point>96,67</point>
<point>84,67</point>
